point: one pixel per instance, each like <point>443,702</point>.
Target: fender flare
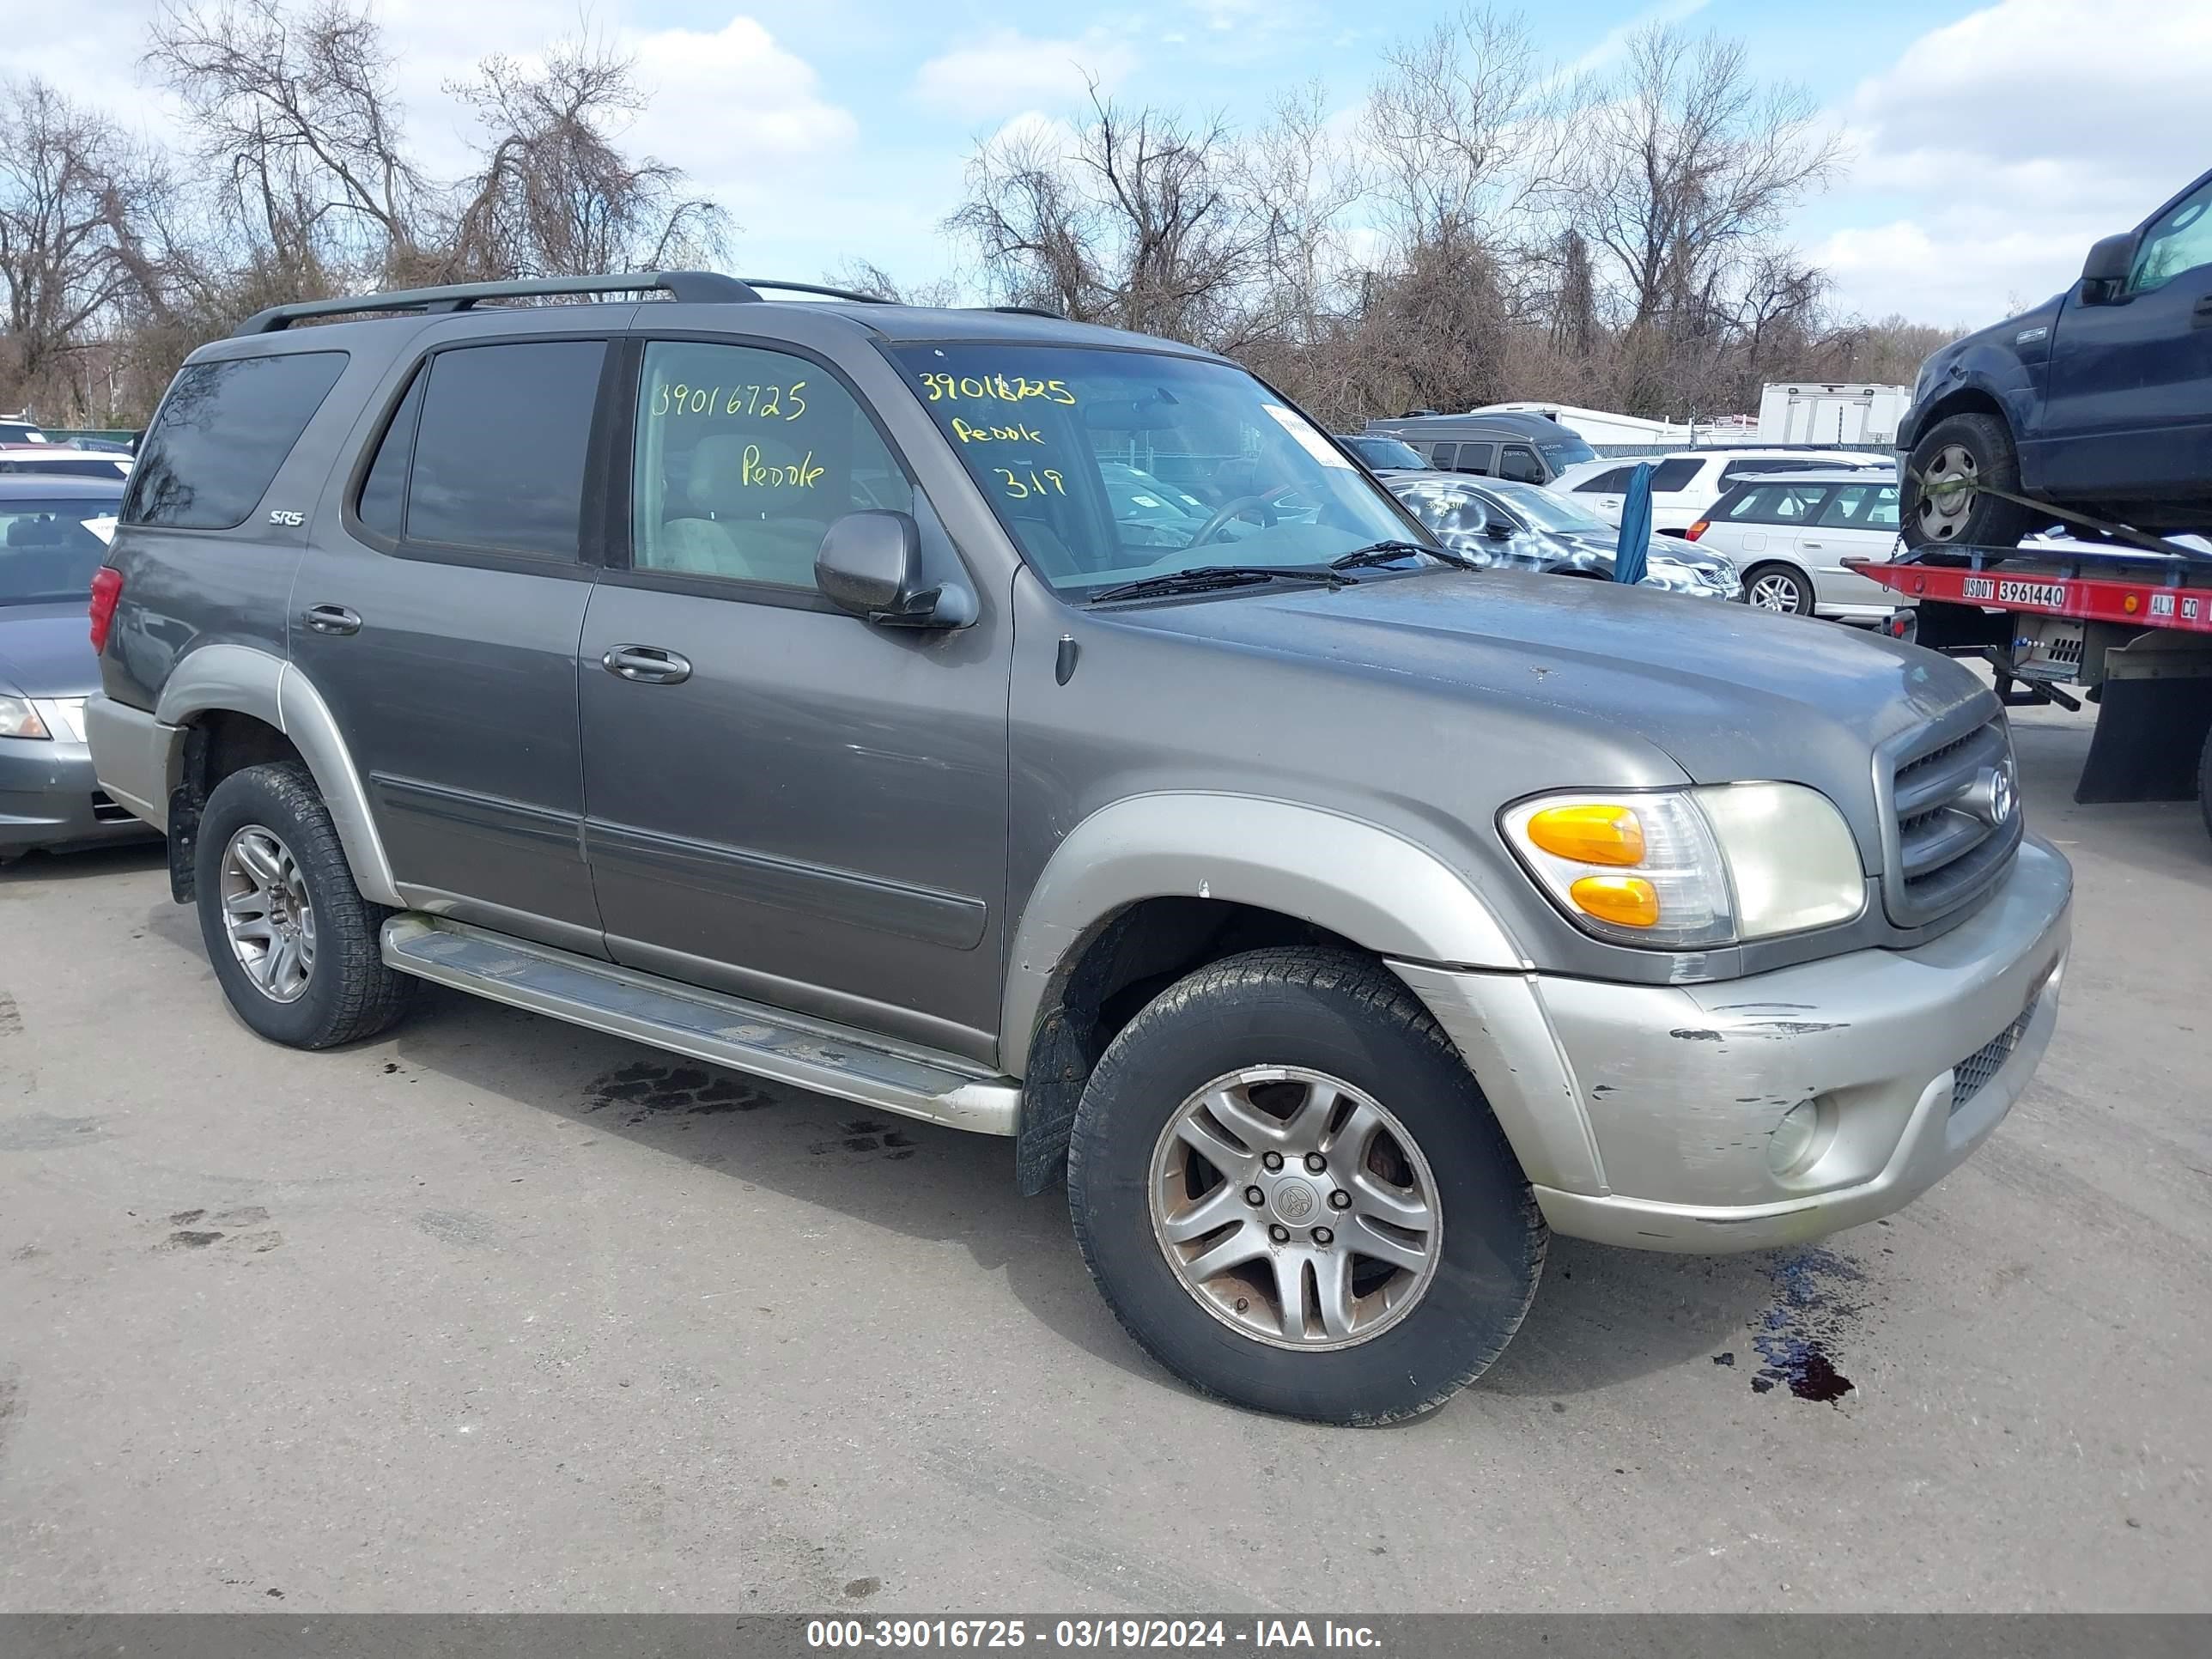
<point>1368,883</point>
<point>242,679</point>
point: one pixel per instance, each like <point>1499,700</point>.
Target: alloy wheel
<point>1295,1208</point>
<point>266,914</point>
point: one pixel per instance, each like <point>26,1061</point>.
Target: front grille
<point>105,811</point>
<point>1951,820</point>
<point>1986,1061</point>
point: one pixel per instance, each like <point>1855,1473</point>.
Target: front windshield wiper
<point>1200,578</point>
<point>1391,552</point>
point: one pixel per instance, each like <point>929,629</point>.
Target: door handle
<point>1811,547</point>
<point>332,619</point>
<point>648,664</point>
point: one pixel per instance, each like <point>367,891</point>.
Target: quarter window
<point>1611,483</point>
<point>499,448</point>
<point>1779,503</point>
<point>744,458</point>
<point>1669,477</point>
<point>221,433</point>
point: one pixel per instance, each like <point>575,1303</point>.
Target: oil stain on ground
<point>1814,1307</point>
<point>864,1137</point>
<point>646,1090</point>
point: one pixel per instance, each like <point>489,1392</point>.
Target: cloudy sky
<point>1990,144</point>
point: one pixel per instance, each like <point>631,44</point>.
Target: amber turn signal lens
<point>1626,901</point>
<point>1589,834</point>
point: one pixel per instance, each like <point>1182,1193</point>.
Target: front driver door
<point>2129,407</point>
<point>782,800</point>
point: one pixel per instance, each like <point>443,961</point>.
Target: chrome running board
<point>725,1030</point>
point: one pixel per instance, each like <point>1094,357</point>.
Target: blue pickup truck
<point>2096,405</point>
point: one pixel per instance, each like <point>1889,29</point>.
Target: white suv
<point>1685,485</point>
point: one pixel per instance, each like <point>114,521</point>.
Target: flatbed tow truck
<point>2126,628</point>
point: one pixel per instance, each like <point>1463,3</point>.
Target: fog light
<point>1793,1137</point>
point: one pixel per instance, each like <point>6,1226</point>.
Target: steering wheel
<point>1228,510</point>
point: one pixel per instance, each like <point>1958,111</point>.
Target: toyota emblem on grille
<point>1989,797</point>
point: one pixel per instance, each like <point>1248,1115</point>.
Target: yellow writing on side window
<point>768,401</point>
<point>755,474</point>
<point>999,388</point>
<point>995,434</point>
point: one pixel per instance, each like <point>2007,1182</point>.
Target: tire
<point>2204,783</point>
<point>1963,451</point>
<point>337,989</point>
<point>1788,591</point>
<point>1295,1016</point>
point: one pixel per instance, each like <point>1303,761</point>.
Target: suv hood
<point>1728,694</point>
<point>44,653</point>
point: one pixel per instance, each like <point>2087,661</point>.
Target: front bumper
<point>49,797</point>
<point>1645,1116</point>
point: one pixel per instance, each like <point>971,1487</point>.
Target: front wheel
<point>1292,1193</point>
<point>1957,484</point>
<point>1778,587</point>
<point>293,942</point>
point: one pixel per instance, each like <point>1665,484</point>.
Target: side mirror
<point>869,564</point>
<point>2105,271</point>
<point>1498,531</point>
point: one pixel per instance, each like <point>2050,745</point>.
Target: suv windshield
<point>1109,466</point>
<point>49,549</point>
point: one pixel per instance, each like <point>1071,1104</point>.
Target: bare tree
<point>297,116</point>
<point>74,193</point>
<point>1139,223</point>
<point>1682,163</point>
<point>555,195</point>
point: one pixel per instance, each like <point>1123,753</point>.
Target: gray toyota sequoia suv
<point>1051,732</point>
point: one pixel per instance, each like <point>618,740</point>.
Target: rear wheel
<point>293,942</point>
<point>1778,587</point>
<point>1947,495</point>
<point>1292,1194</point>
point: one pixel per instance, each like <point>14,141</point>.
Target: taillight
<point>107,589</point>
<point>1696,530</point>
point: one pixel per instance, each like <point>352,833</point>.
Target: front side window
<point>744,457</point>
<point>1065,441</point>
<point>49,549</point>
<point>1479,458</point>
<point>1521,465</point>
<point>2179,242</point>
<point>1862,507</point>
<point>499,447</point>
<point>221,433</point>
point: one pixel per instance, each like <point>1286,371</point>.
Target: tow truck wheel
<point>1947,484</point>
<point>2204,783</point>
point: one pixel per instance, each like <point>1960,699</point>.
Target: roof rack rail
<point>694,285</point>
<point>1033,311</point>
<point>816,287</point>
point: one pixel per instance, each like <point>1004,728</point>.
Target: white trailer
<point>1831,413</point>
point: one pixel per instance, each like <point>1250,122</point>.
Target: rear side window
<point>1862,507</point>
<point>499,445</point>
<point>1798,503</point>
<point>1669,477</point>
<point>1605,483</point>
<point>221,433</point>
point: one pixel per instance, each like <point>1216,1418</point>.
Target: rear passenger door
<point>785,801</point>
<point>437,616</point>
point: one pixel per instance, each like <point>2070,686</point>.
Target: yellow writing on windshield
<point>1000,388</point>
<point>995,434</point>
<point>1022,485</point>
<point>756,474</point>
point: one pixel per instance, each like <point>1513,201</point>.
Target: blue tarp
<point>1628,557</point>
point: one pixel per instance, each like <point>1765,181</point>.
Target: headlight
<point>1692,868</point>
<point>19,719</point>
